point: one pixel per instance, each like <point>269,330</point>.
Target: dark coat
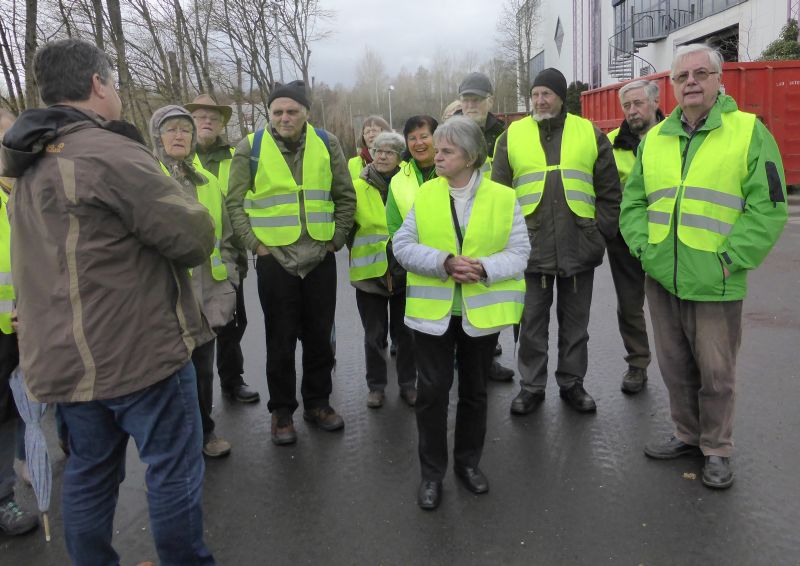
<point>562,243</point>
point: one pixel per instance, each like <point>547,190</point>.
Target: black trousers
<point>298,308</point>
<point>434,355</point>
<point>572,310</point>
<point>628,276</point>
<point>203,360</point>
<point>379,313</point>
<point>230,361</point>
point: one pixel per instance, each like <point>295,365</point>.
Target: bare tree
<point>298,22</point>
<point>517,44</point>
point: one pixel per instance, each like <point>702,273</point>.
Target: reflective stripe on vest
<point>487,233</point>
<point>273,204</point>
<point>710,193</point>
<point>368,253</point>
<point>624,158</point>
<point>529,164</point>
<point>404,187</point>
<point>6,286</point>
<point>210,196</point>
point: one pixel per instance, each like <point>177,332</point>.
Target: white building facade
<point>600,42</point>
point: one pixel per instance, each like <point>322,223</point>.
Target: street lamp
<point>391,88</point>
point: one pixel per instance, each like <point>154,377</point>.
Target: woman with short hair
<point>372,126</point>
<point>378,278</point>
<point>465,246</point>
<point>174,136</point>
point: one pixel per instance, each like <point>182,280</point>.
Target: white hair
<point>714,56</point>
<point>650,89</point>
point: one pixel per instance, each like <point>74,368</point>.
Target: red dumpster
<point>769,89</point>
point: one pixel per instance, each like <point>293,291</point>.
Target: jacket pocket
<point>591,244</point>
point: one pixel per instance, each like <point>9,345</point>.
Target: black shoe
<point>717,472</point>
<point>242,393</point>
<point>633,380</point>
<point>473,479</point>
<point>526,401</point>
<point>393,349</point>
<point>577,398</point>
<point>500,373</point>
<point>498,350</point>
<point>429,494</point>
<point>672,448</point>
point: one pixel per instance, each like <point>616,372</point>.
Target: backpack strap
<point>255,153</point>
<point>323,135</point>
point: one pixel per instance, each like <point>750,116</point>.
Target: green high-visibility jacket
<point>710,224</point>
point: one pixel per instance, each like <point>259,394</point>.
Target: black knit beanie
<point>554,80</point>
<point>296,90</point>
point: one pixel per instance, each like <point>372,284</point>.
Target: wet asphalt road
<point>565,488</point>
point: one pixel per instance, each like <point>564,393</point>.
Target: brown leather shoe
<point>283,430</point>
<point>324,418</point>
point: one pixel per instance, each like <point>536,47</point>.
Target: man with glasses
<point>639,101</point>
<point>214,155</point>
<point>476,95</point>
<point>704,204</point>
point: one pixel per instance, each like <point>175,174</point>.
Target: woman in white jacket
<point>465,247</point>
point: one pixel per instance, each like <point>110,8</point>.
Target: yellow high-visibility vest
<point>273,203</point>
<point>6,286</point>
<point>710,193</point>
<point>355,165</point>
<point>224,173</point>
<point>625,158</point>
<point>210,196</point>
<point>368,254</point>
<point>529,164</point>
<point>487,232</point>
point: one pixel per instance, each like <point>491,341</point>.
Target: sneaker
<point>14,521</point>
<point>633,380</point>
<point>375,399</point>
<point>324,418</point>
<point>215,447</point>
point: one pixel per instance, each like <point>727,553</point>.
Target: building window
<point>559,37</point>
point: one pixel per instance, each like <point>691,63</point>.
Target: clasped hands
<point>464,269</point>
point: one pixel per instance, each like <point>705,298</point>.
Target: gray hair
<point>396,142</point>
<point>467,135</point>
<point>650,89</point>
<point>683,51</point>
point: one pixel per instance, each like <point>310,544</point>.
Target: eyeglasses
<point>700,75</point>
<point>385,152</point>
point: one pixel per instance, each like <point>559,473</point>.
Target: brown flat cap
<point>205,101</point>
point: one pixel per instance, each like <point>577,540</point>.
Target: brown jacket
<point>101,245</point>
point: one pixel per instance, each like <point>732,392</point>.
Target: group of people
<point>455,231</point>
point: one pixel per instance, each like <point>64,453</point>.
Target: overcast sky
<point>403,32</point>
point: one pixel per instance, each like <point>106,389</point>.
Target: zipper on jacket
<point>675,216</point>
<point>724,279</point>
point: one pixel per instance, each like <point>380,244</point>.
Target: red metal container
<point>769,89</point>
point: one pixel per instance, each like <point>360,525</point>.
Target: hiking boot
<point>498,372</point>
<point>672,448</point>
<point>283,430</point>
<point>633,380</point>
<point>717,472</point>
<point>577,398</point>
<point>14,521</point>
<point>324,418</point>
<point>375,399</point>
<point>409,395</point>
<point>241,393</point>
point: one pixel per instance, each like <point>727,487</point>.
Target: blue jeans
<point>164,421</point>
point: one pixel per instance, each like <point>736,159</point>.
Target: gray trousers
<point>628,276</point>
<point>696,345</point>
<point>573,304</point>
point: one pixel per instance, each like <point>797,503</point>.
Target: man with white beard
<point>567,184</point>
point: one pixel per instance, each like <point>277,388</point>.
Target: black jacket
<point>562,243</point>
<point>491,131</point>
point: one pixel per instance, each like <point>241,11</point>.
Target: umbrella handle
<point>46,522</point>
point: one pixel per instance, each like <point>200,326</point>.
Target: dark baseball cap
<point>477,84</point>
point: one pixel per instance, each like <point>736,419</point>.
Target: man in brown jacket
<point>107,316</point>
<point>291,201</point>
